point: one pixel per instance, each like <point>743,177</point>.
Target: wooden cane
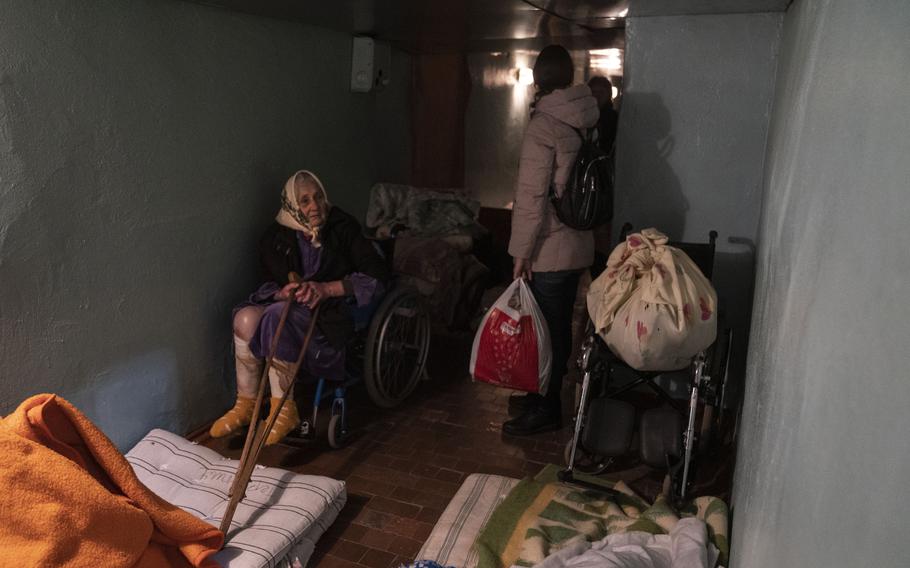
<point>248,463</point>
<point>273,415</point>
<point>259,441</point>
<point>263,380</point>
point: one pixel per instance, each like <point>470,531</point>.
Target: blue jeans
<point>555,294</point>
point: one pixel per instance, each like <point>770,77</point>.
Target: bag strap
<point>586,134</point>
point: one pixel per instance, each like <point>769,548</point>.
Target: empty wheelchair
<point>672,432</point>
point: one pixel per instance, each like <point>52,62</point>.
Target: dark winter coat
<point>345,251</point>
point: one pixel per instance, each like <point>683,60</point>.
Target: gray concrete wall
<point>824,459</point>
<point>142,150</point>
<point>691,139</point>
<point>691,7</point>
<point>694,122</point>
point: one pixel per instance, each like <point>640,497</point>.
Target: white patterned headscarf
<point>291,216</point>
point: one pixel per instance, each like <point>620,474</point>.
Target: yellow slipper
<point>235,418</point>
<point>288,419</point>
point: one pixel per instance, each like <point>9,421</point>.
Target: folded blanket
<point>71,499</point>
<point>538,519</point>
<point>423,211</point>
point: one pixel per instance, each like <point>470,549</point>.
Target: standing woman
<point>547,253</point>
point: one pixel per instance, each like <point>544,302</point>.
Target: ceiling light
<point>606,59</point>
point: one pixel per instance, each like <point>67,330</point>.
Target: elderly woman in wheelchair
<point>315,253</point>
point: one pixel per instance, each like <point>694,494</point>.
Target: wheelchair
<point>388,353</point>
<point>671,435</point>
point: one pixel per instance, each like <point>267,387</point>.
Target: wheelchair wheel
<point>336,434</point>
<point>396,349</point>
<point>718,366</point>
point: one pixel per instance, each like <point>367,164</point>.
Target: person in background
<point>337,266</point>
<point>547,253</point>
<point>602,89</point>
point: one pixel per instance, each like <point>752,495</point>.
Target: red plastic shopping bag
<point>512,345</point>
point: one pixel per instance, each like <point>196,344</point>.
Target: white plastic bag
<point>652,305</point>
<point>512,346</point>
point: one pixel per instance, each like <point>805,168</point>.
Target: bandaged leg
<point>288,418</point>
<point>248,370</point>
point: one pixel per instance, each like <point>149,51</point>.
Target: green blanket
<point>540,516</point>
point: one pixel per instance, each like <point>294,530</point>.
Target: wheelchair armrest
<point>363,315</point>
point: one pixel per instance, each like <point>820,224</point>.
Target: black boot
<point>521,403</point>
<point>536,419</point>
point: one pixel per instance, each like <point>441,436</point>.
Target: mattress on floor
<point>276,525</point>
<point>452,541</point>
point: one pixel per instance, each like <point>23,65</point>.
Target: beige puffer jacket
<point>547,154</point>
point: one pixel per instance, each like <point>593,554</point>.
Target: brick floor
<point>404,465</point>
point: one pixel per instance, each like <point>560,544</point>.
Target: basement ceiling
<point>433,26</point>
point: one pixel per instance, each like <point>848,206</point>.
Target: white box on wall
<point>370,64</point>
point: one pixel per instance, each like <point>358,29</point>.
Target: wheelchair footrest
<point>305,432</point>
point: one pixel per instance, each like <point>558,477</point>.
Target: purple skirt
<point>322,360</point>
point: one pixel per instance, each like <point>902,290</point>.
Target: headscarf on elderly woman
<point>338,267</point>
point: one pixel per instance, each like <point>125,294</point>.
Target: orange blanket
<point>68,497</point>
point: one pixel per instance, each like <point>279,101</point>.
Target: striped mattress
<point>452,541</point>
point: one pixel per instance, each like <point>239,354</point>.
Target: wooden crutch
<point>263,381</point>
<point>248,462</point>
